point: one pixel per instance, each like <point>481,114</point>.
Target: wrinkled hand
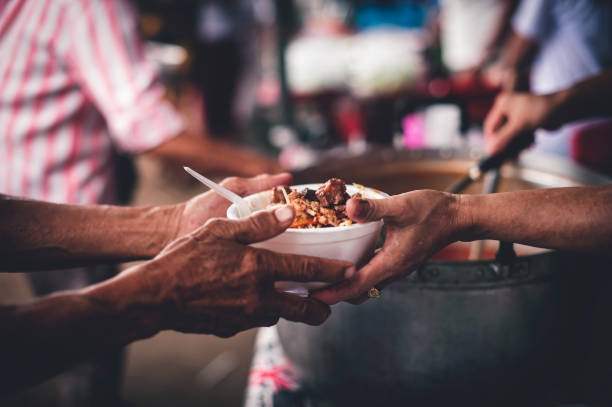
<point>516,113</point>
<point>195,212</point>
<point>419,224</point>
<point>211,281</point>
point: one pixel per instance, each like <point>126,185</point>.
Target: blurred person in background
<point>223,31</point>
<point>555,44</point>
<point>75,89</point>
<point>472,32</point>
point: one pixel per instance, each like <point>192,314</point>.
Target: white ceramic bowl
<point>354,243</point>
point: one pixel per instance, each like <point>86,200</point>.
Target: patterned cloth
<point>75,87</point>
<point>272,381</point>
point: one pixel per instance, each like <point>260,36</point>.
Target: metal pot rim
<point>483,274</point>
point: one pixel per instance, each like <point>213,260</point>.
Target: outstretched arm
<point>209,281</point>
<point>575,219</point>
<point>420,223</point>
<point>210,155</point>
<point>38,235</point>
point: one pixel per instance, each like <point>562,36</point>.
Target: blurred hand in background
<point>516,113</point>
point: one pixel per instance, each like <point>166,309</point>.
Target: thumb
<point>260,226</point>
<point>369,210</point>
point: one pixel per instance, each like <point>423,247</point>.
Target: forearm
<point>38,235</point>
<point>517,59</point>
<point>519,52</point>
<point>503,26</point>
<point>208,155</point>
<point>44,337</point>
<point>588,98</point>
<point>578,219</point>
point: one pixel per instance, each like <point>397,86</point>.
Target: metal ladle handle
<point>493,162</point>
<point>505,254</point>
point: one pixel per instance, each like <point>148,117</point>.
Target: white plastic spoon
<point>241,204</point>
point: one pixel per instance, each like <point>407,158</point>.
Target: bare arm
<point>208,155</point>
<point>420,223</point>
<point>38,235</point>
<point>574,219</point>
<point>44,337</point>
<point>587,98</point>
<point>515,62</point>
<point>209,281</point>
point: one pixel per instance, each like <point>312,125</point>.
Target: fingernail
<point>361,210</point>
<point>284,214</point>
<point>350,272</point>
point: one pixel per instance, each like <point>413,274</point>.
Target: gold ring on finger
<point>374,293</point>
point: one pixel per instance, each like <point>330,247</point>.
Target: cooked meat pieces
<point>333,192</point>
<point>325,207</point>
<point>311,214</point>
<point>308,194</point>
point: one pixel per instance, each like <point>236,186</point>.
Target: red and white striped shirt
<point>75,87</point>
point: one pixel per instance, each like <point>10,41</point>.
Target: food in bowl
<point>354,243</point>
<point>325,207</point>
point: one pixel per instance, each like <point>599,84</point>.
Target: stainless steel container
<point>458,332</point>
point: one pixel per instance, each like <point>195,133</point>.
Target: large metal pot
<point>454,332</point>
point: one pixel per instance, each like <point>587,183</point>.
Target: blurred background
<point>302,82</point>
